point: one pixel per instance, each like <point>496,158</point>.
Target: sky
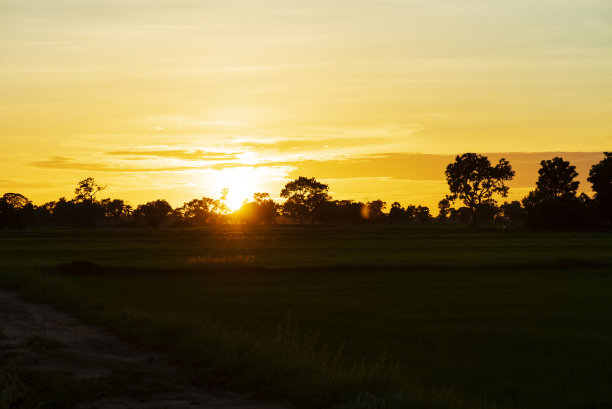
<point>178,99</point>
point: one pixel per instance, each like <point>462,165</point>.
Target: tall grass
<point>290,364</point>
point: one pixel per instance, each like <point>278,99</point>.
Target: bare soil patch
<point>40,338</point>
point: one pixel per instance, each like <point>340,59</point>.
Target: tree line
<point>472,180</point>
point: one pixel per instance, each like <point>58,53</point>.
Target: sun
<point>241,184</point>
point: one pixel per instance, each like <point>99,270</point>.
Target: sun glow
<point>241,184</point>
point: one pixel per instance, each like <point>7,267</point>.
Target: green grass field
<point>350,317</point>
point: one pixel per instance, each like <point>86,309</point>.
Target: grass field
<point>347,317</point>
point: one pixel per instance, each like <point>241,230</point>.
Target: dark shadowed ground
<point>98,370</point>
<point>336,317</point>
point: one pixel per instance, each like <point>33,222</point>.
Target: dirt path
<point>47,340</point>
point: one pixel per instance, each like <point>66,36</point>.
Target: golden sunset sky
<point>177,99</point>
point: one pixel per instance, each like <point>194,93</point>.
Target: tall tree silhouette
<point>85,192</point>
<point>473,180</point>
<point>303,196</point>
<point>600,177</point>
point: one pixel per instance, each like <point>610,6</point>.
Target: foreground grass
<point>22,387</point>
<point>533,332</point>
<point>286,363</point>
<point>429,339</point>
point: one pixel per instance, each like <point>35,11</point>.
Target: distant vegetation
<point>473,182</point>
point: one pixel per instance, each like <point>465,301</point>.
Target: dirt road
<point>42,339</point>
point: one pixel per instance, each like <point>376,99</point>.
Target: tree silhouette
<point>513,211</point>
<point>154,213</point>
<point>410,212</point>
<point>373,210</point>
<point>444,206</point>
<point>221,206</point>
<point>267,209</point>
<point>556,179</point>
<point>197,211</point>
<point>63,212</point>
<point>261,210</point>
<point>85,192</point>
<point>303,196</point>
<point>15,200</point>
<point>487,211</point>
<point>87,189</point>
<point>16,211</point>
<point>553,204</point>
<point>461,215</point>
<point>347,211</point>
<point>600,176</point>
<point>421,214</point>
<point>396,213</point>
<point>115,210</point>
<point>473,180</point>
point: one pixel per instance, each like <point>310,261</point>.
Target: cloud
<point>8,184</point>
<point>425,167</point>
<point>181,154</point>
<point>388,166</point>
<point>338,141</point>
<point>318,144</point>
<point>404,166</point>
<point>63,163</point>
